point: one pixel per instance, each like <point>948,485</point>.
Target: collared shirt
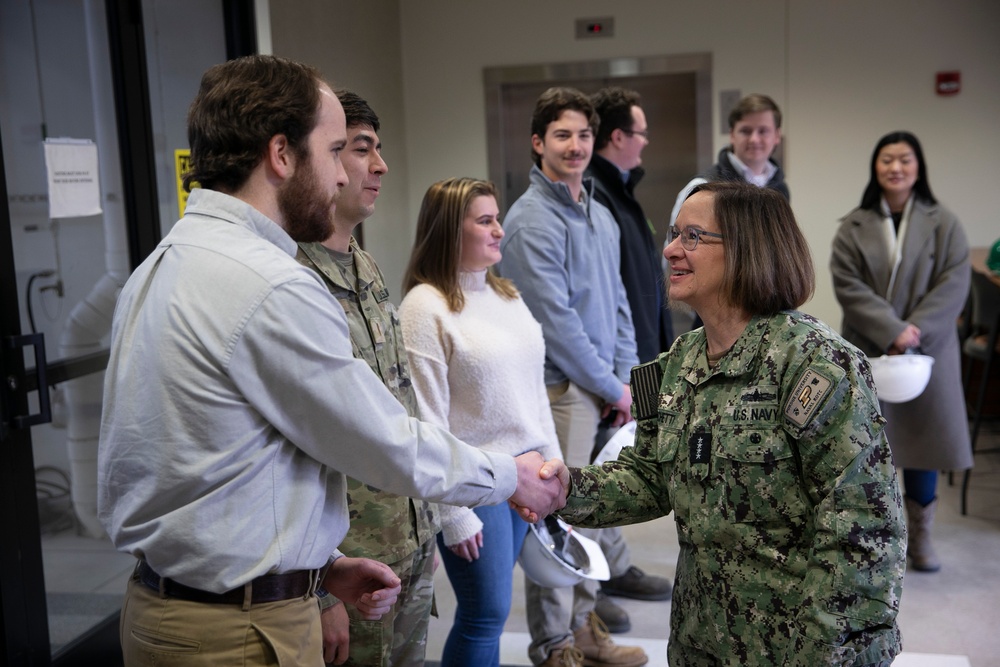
<point>234,407</point>
<point>384,526</point>
<point>761,179</point>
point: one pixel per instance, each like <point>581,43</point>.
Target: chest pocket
<point>760,474</point>
<point>668,438</point>
<point>665,437</point>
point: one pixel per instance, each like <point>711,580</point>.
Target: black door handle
<point>44,414</point>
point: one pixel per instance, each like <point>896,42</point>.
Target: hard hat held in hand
<point>555,556</point>
<point>901,377</point>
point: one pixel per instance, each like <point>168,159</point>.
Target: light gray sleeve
<point>535,260</point>
<point>294,364</point>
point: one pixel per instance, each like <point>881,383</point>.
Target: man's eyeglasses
<point>690,236</point>
<point>642,133</point>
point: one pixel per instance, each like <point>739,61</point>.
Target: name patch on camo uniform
<point>809,392</point>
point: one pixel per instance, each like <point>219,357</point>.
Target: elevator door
<point>676,111</point>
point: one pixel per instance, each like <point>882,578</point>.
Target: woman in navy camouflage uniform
<point>762,433</point>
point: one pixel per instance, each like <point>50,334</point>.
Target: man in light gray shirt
<point>234,408</point>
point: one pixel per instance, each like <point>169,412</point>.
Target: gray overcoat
<point>930,432</point>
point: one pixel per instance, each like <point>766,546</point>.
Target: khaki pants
<point>167,632</point>
<point>553,613</point>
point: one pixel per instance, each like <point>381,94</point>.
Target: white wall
<point>844,73</point>
<point>861,69</point>
<point>357,46</point>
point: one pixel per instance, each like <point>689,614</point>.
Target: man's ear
<point>617,137</point>
<point>280,158</point>
<point>537,144</point>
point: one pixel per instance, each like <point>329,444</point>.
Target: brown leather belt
<point>266,588</point>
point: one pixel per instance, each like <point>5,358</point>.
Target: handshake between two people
<point>542,486</point>
<point>373,588</point>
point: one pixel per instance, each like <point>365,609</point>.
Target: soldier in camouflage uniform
<point>762,433</point>
<point>395,530</point>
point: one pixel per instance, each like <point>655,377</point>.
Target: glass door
<point>79,79</point>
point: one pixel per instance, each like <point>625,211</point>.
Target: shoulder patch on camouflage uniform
<point>809,392</point>
<point>645,386</point>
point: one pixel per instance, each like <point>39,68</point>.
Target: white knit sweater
<point>478,373</point>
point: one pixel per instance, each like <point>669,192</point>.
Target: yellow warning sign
<point>182,163</point>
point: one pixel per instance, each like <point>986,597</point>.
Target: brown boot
<point>564,655</point>
<point>598,650</point>
<point>919,549</point>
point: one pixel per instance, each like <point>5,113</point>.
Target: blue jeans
<point>483,589</point>
<point>921,485</point>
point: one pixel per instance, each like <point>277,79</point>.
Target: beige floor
<point>948,619</point>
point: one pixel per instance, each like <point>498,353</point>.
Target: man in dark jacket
<point>615,169</point>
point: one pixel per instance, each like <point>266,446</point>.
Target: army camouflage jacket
<point>384,526</point>
<point>785,498</point>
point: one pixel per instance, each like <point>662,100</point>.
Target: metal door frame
<point>24,629</point>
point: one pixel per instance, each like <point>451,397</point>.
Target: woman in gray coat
<point>901,273</point>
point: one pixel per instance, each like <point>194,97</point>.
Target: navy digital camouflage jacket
<point>788,511</point>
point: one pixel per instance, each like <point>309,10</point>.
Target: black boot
<point>613,616</point>
<point>638,585</point>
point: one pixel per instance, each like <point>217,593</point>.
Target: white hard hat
<point>555,556</point>
<point>623,437</point>
<point>901,377</point>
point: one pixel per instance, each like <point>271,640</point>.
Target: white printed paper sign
<point>74,180</point>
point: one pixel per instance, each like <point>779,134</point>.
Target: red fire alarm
<point>948,83</point>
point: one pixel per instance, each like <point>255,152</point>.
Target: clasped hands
<point>542,486</point>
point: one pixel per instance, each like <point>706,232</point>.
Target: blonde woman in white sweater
<point>476,358</point>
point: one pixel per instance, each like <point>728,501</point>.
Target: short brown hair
<point>240,106</point>
<point>768,264</point>
<point>550,106</point>
<point>754,103</point>
<point>437,250</point>
<point>614,107</point>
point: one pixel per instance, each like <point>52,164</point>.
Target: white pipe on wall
<point>90,321</point>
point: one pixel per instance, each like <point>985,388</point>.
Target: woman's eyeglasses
<point>690,236</point>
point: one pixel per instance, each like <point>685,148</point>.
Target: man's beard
<point>305,208</point>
